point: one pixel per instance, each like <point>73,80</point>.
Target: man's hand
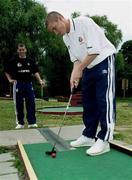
<point>75,77</point>
<point>42,82</point>
<point>9,77</point>
<point>12,81</point>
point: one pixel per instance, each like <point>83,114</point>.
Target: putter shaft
<point>67,107</point>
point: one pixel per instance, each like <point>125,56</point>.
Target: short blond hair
<point>52,16</point>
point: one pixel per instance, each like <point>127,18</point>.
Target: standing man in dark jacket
<point>19,72</point>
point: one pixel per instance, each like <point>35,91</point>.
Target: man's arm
<point>75,80</point>
<point>78,67</point>
<point>10,78</point>
<point>39,79</point>
<point>87,60</point>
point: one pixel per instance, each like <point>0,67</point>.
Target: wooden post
<point>124,86</point>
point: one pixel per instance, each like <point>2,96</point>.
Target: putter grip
<point>72,90</point>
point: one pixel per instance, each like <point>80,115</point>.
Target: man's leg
<point>90,108</point>
<point>30,103</point>
<point>106,100</point>
<point>90,111</point>
<point>105,93</point>
<point>19,104</point>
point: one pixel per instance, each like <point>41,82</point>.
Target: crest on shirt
<point>19,65</point>
<point>28,64</point>
<point>80,39</point>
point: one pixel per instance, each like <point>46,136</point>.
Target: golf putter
<point>52,153</point>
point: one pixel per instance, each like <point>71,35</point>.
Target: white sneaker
<point>32,126</point>
<point>82,141</point>
<point>19,126</point>
<point>98,148</point>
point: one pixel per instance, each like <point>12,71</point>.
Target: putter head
<point>48,153</point>
<point>53,151</point>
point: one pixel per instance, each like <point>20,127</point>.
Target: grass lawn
<point>123,125</point>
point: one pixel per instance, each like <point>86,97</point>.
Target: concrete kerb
<point>27,136</point>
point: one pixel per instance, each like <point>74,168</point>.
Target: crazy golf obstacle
<point>75,107</point>
<point>60,110</point>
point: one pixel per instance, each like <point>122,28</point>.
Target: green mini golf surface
<point>73,110</point>
<point>76,165</point>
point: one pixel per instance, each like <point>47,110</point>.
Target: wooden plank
<point>28,166</point>
<point>121,148</point>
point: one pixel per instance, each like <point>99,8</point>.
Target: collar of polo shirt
<point>72,26</point>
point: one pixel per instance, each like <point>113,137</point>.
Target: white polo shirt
<point>85,38</point>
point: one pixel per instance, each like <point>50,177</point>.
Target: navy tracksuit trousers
<point>98,95</point>
<point>23,91</point>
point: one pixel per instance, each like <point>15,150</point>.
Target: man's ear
<point>60,18</point>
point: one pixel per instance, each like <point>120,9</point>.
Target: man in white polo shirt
<point>92,55</point>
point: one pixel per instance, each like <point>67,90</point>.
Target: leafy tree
<point>120,63</point>
<point>124,60</point>
<point>75,14</point>
<point>21,21</point>
<point>126,49</point>
<point>58,66</point>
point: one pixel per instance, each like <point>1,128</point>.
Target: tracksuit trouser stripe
<point>110,98</point>
<point>14,100</point>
